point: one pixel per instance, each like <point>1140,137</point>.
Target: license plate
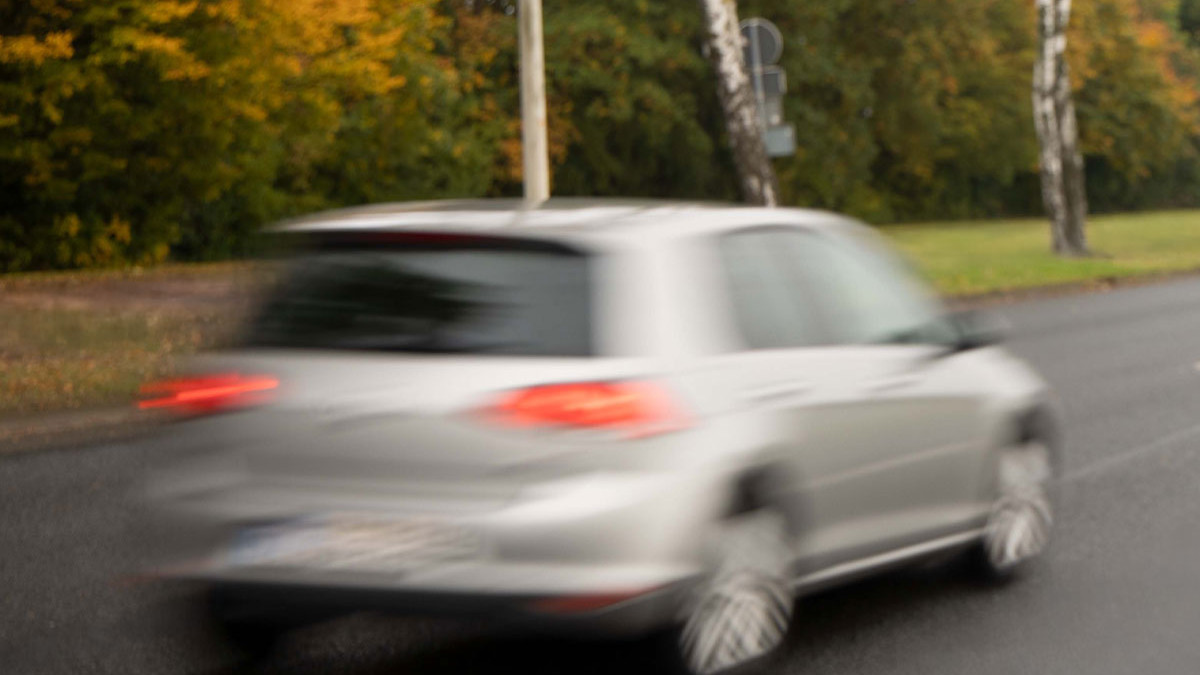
<point>350,542</point>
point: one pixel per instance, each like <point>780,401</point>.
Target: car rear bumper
<point>608,611</point>
<point>600,553</point>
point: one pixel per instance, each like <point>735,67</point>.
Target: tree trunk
<point>1063,182</point>
<point>723,40</point>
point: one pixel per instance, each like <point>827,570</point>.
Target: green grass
<point>967,258</point>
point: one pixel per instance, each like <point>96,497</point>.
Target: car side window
<point>769,308</point>
<point>863,298</point>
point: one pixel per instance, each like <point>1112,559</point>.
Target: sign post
<point>763,47</point>
<point>535,149</point>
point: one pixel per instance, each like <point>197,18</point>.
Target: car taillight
<point>207,393</point>
<point>636,408</point>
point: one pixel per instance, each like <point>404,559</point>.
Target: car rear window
<point>433,294</point>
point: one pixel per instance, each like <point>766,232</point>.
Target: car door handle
<point>777,391</point>
<point>884,384</point>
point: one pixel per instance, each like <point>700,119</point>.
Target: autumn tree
<point>134,130</point>
<point>1135,81</point>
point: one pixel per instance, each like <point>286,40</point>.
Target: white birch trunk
<point>1063,182</point>
<point>724,42</point>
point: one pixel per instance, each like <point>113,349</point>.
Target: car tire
<point>248,638</point>
<point>1021,518</point>
<point>736,617</point>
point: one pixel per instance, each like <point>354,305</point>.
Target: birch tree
<point>1063,188</point>
<point>723,40</point>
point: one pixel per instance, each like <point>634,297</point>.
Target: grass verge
<point>87,339</point>
<point>971,258</point>
<point>54,359</point>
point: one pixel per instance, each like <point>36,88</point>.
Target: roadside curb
<point>1066,289</point>
<point>69,428</point>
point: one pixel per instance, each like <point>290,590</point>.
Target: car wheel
<point>1021,518</point>
<point>249,638</point>
<point>739,613</point>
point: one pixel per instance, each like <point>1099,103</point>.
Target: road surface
<point>1119,591</point>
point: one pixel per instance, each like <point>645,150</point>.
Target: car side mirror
<point>974,329</point>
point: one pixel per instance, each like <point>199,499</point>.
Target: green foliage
<point>136,130</point>
<point>1189,19</point>
<point>906,109</point>
<point>641,100</point>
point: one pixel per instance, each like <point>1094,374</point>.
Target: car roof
<point>560,217</point>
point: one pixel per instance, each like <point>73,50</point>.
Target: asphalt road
<point>1119,591</point>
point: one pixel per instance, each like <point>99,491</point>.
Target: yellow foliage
<point>145,41</point>
<point>30,50</point>
<point>163,11</point>
<point>119,230</point>
<point>157,254</point>
<point>67,227</point>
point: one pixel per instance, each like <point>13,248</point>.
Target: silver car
<point>610,417</point>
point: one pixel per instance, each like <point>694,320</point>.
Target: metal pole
<point>756,71</point>
<point>534,146</point>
